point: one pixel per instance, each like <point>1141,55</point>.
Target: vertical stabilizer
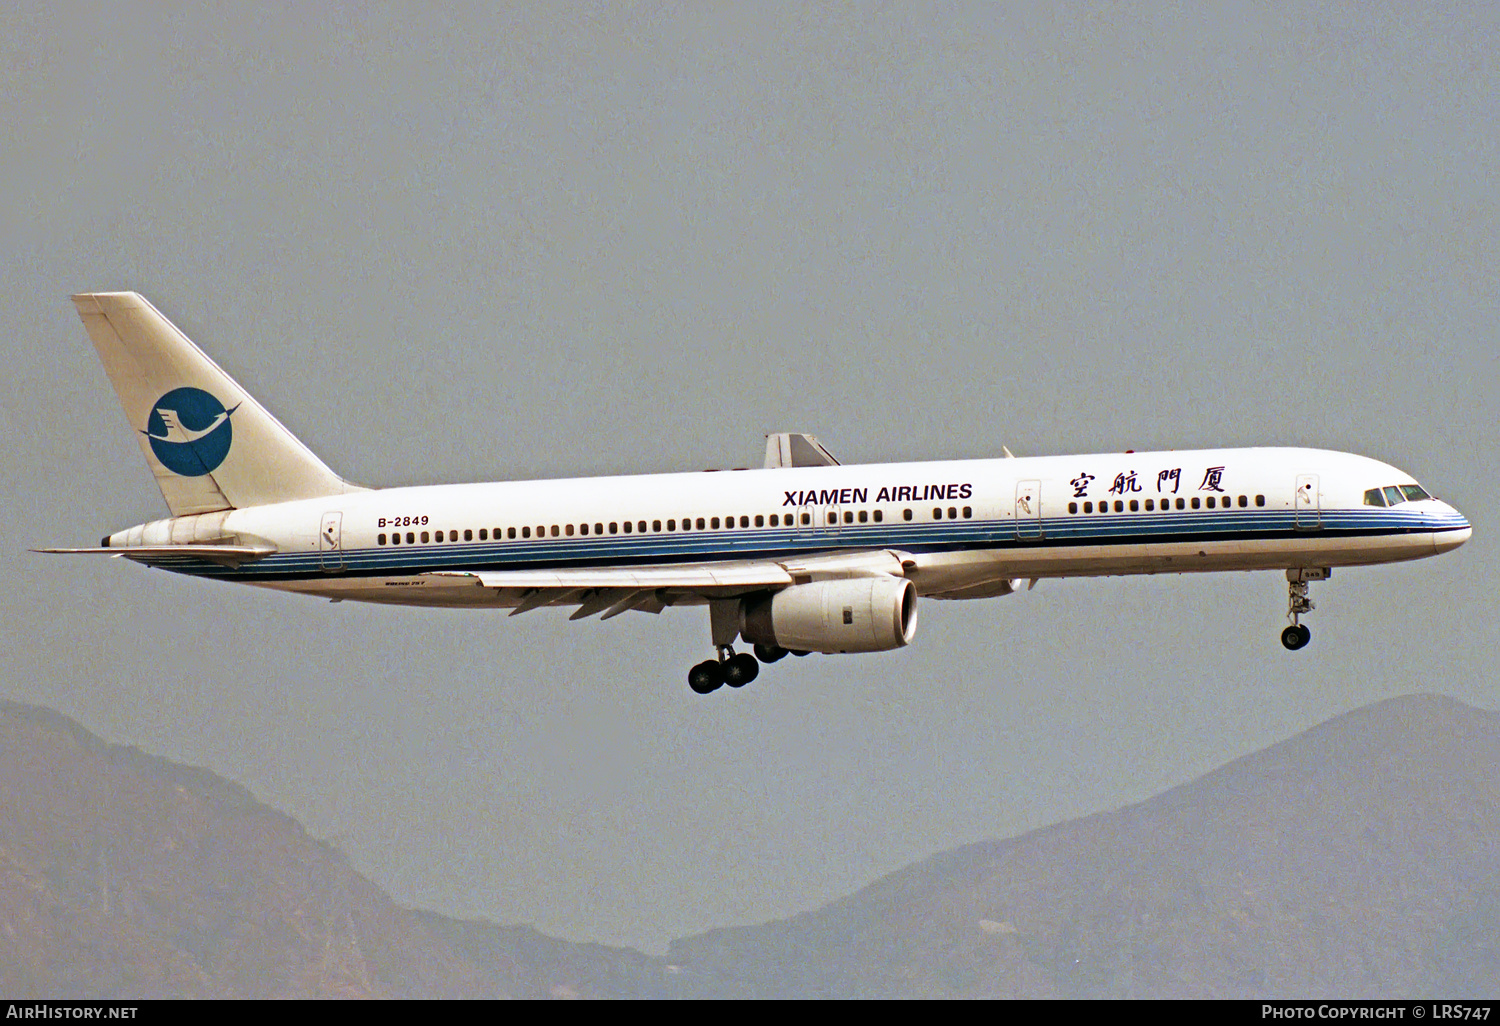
<point>210,445</point>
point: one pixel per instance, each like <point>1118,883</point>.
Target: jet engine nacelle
<point>861,614</point>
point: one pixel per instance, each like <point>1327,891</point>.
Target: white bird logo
<point>175,432</point>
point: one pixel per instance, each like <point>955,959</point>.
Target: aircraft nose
<point>1455,532</point>
<point>1449,540</point>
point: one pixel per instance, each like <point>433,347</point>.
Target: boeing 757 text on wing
<point>802,556</point>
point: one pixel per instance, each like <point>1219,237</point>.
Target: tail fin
<point>210,445</point>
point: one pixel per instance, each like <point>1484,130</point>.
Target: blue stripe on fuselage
<point>771,543</point>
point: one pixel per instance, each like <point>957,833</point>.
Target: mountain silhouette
<point>1360,858</point>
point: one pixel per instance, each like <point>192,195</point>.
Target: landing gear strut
<point>1298,635</point>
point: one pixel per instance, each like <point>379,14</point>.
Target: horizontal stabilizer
<point>224,555</point>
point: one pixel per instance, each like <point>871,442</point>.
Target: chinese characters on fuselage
<point>1168,481</point>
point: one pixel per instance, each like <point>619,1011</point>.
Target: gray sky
<point>636,239</point>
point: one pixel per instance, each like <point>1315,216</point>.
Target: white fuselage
<point>962,528</point>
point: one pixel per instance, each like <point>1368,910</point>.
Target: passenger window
<point>525,532</point>
<point>1260,500</point>
<point>714,523</point>
<point>879,516</point>
<point>484,534</point>
<point>1072,507</point>
<point>554,530</point>
<point>1119,505</point>
<point>952,513</point>
<point>1414,493</point>
<point>744,521</point>
<point>848,516</point>
<point>833,518</point>
<point>424,538</point>
<point>380,539</point>
<point>628,526</point>
<point>806,519</point>
<point>1211,502</point>
<point>760,520</point>
<point>1088,507</point>
<point>510,532</point>
<point>583,528</point>
<point>1195,502</point>
<point>1135,506</point>
<point>937,514</point>
<point>1150,505</point>
<point>598,528</point>
<point>439,536</point>
<point>906,514</point>
<point>656,525</point>
<point>569,530</point>
<point>700,524</point>
<point>775,520</point>
<point>671,525</point>
<point>411,538</point>
<point>864,516</point>
<point>1393,495</point>
<point>614,527</point>
<point>968,512</point>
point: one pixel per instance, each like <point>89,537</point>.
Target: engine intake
<point>861,614</point>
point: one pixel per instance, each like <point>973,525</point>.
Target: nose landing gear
<point>1298,634</point>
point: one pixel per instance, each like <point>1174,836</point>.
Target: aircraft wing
<point>614,590</point>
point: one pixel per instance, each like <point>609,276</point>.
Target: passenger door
<point>818,531</point>
<point>1307,504</point>
<point>1028,510</point>
<point>330,542</point>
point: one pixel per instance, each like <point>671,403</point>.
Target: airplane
<point>802,555</point>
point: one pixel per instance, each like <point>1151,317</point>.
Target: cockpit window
<point>1394,495</point>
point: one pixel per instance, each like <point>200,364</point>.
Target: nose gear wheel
<point>1298,604</point>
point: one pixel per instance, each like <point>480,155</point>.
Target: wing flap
<point>739,573</point>
<point>610,591</point>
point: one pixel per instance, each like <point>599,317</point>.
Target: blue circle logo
<point>189,431</point>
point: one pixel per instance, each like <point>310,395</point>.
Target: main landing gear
<point>733,669</point>
<point>1298,635</point>
<point>730,668</point>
